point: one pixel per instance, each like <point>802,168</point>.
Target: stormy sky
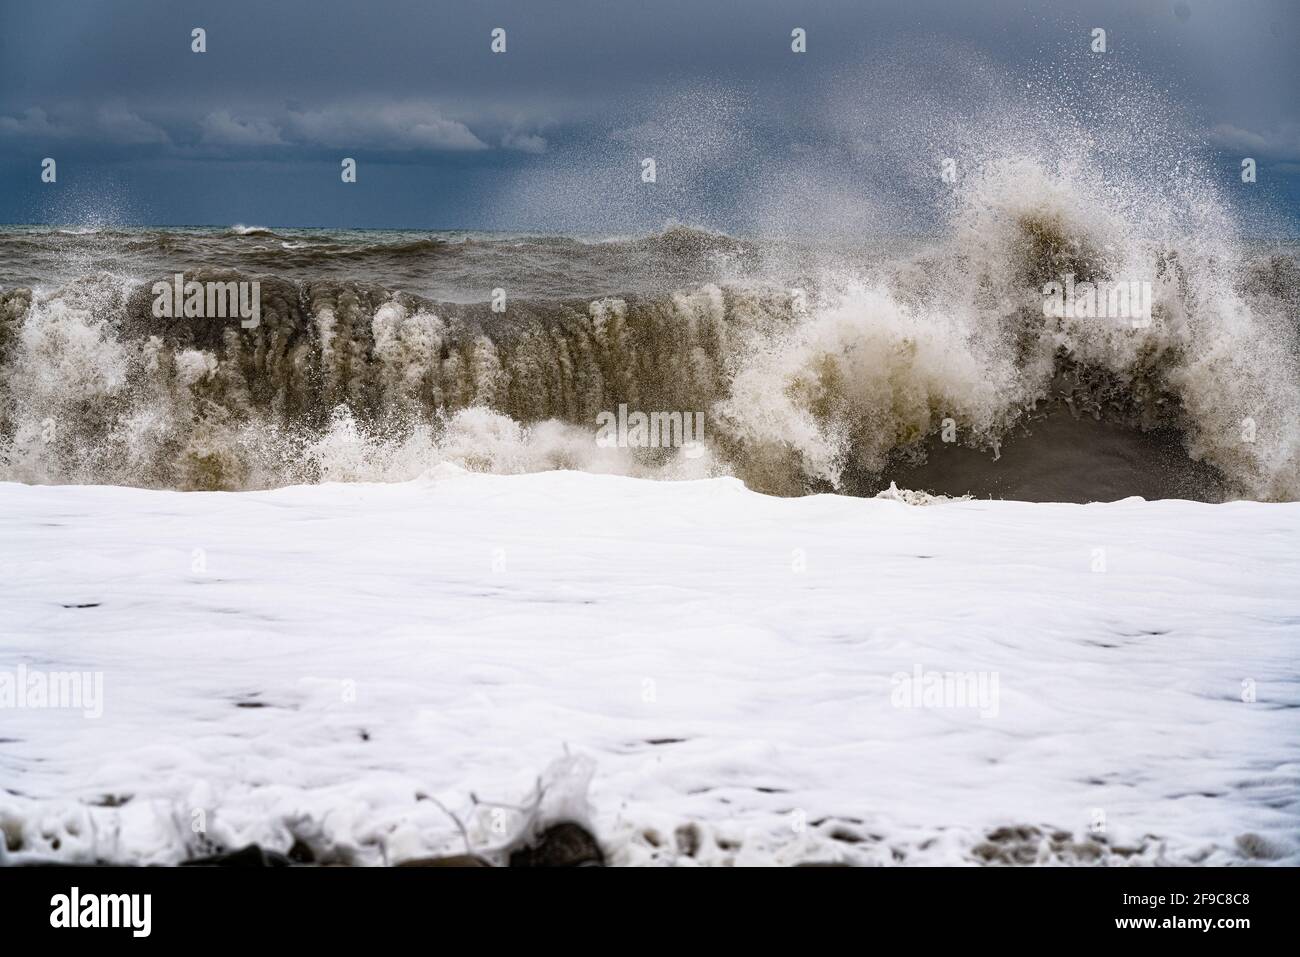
<point>551,133</point>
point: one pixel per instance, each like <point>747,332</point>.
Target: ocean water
<point>828,366</point>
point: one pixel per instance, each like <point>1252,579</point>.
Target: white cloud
<point>120,125</point>
<point>110,124</point>
<point>1282,140</point>
<point>221,128</point>
<point>524,142</point>
<point>411,125</point>
<point>34,122</point>
<point>395,126</point>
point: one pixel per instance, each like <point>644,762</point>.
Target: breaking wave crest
<point>844,383</point>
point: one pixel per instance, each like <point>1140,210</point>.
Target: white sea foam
<point>305,663</point>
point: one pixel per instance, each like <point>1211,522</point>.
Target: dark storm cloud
<point>254,127</point>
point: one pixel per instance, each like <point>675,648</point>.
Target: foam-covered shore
<point>305,664</point>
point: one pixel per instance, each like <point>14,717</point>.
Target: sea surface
<point>813,366</point>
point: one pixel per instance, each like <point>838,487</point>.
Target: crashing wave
<point>837,385</point>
